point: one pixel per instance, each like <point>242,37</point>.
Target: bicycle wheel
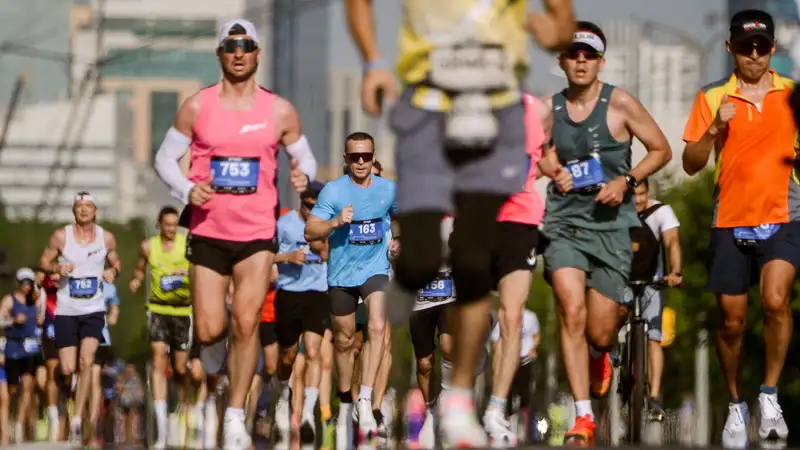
<point>638,361</point>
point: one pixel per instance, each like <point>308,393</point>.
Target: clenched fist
<point>346,216</point>
<point>726,112</point>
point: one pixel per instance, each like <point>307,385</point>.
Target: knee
<point>573,316</point>
<point>180,370</point>
<point>601,339</point>
<point>510,321</point>
<point>244,326</point>
<point>377,328</point>
<point>287,358</point>
<point>67,368</point>
<point>312,352</point>
<point>775,302</point>
<point>197,372</point>
<point>425,366</point>
<point>207,331</point>
<point>159,361</point>
<point>732,326</point>
<point>421,254</point>
<point>344,341</point>
<point>27,384</point>
<point>86,362</point>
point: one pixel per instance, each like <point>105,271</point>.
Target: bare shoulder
<point>59,238</point>
<point>623,101</point>
<point>187,114</point>
<point>547,102</point>
<point>284,109</point>
<point>145,246</point>
<point>109,237</point>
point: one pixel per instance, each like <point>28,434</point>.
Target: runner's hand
<point>109,275</point>
<point>674,279</point>
<point>346,216</point>
<point>64,269</point>
<point>20,318</point>
<point>201,192</point>
<point>613,193</point>
<point>394,248</point>
<point>135,285</point>
<point>726,112</point>
<point>298,179</point>
<point>182,272</point>
<point>297,257</point>
<point>374,81</point>
<point>550,33</point>
<point>563,179</point>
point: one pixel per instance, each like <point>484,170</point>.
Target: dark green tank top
<point>575,140</point>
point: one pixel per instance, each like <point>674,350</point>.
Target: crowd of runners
<point>256,296</point>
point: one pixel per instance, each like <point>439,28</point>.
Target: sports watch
<point>630,180</point>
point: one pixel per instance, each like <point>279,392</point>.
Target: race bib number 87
<point>587,173</point>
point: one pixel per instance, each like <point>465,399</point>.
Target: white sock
<point>285,390</point>
<point>52,415</point>
<point>365,393</point>
<point>447,370</point>
<point>160,408</point>
<point>234,413</point>
<point>584,407</point>
<point>310,400</point>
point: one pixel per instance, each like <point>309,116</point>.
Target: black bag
<point>646,248</point>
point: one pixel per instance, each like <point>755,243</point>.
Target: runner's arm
<point>672,244</point>
<point>549,164</point>
<point>48,260</point>
<point>174,146</point>
<point>700,136</point>
<point>325,217</point>
<point>293,139</point>
<point>141,263</point>
<point>111,252</point>
<point>361,23</point>
<point>113,307</point>
<point>644,128</point>
<point>5,312</point>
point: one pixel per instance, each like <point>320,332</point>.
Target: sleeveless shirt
<point>239,147</point>
<point>22,338</point>
<point>169,293</point>
<point>574,140</point>
<point>82,291</point>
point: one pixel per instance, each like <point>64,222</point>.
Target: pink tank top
<point>526,207</point>
<point>240,149</point>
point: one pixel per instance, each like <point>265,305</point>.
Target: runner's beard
<point>236,78</point>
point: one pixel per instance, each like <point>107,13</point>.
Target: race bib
<point>751,236</point>
<point>83,287</point>
<point>471,67</point>
<point>31,345</point>
<point>50,331</point>
<point>311,257</point>
<point>439,288</point>
<point>238,176</point>
<point>587,173</point>
<point>366,232</point>
<point>171,282</point>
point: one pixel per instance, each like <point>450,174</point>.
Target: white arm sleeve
<point>172,149</point>
<point>301,151</point>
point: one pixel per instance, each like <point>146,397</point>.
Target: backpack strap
<point>649,211</point>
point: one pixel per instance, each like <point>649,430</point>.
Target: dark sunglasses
<point>309,205</point>
<point>230,45</point>
<point>354,157</point>
<point>574,53</point>
<point>761,46</point>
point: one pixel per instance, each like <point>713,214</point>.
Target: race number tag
<point>83,287</point>
<point>311,257</point>
<point>171,282</point>
<point>440,288</point>
<point>471,67</point>
<point>50,331</point>
<point>752,236</point>
<point>587,173</point>
<point>30,345</point>
<point>238,176</point>
<point>366,232</point>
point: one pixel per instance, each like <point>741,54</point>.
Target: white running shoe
<point>734,435</point>
<point>498,429</point>
<point>367,425</point>
<point>283,412</point>
<point>427,434</point>
<point>344,427</point>
<point>76,431</point>
<point>459,426</point>
<point>773,426</point>
<point>234,434</point>
<point>211,426</point>
<point>308,429</point>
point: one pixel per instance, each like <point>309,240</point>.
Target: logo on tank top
<point>94,252</point>
<point>253,127</point>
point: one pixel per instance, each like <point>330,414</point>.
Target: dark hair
<point>346,169</point>
<point>377,165</point>
<point>166,211</point>
<point>313,190</point>
<point>359,136</point>
<point>645,183</point>
<point>584,25</point>
<point>237,29</point>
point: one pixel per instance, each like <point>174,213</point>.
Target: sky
<point>689,15</point>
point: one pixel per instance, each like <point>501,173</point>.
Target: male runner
<point>659,232</point>
<point>22,346</point>
<point>354,211</point>
<point>513,261</point>
<point>169,311</point>
<point>103,356</point>
<point>302,309</point>
<point>234,129</point>
<point>590,209</point>
<point>79,253</point>
<point>459,147</point>
<point>747,121</point>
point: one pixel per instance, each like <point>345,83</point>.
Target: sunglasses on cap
<point>761,46</point>
<point>230,45</point>
<point>354,157</point>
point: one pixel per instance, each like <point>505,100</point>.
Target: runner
<point>659,231</point>
<point>513,261</point>
<point>102,357</point>
<point>478,123</point>
<point>169,312</point>
<point>5,400</point>
<point>268,336</point>
<point>234,129</point>
<point>82,250</point>
<point>49,284</point>
<point>746,119</point>
<point>589,211</point>
<point>22,347</point>
<point>354,211</point>
<point>302,310</point>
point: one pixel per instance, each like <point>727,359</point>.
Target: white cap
<point>248,26</point>
<point>25,274</point>
<point>84,195</point>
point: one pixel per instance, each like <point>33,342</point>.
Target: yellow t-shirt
<point>169,293</point>
<point>501,22</point>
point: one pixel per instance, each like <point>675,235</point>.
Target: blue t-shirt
<point>112,299</point>
<point>311,276</point>
<point>359,250</point>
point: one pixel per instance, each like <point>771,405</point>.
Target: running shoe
<point>282,419</point>
<point>582,434</point>
<point>344,427</point>
<point>459,426</point>
<point>498,429</point>
<point>328,435</point>
<point>600,374</point>
<point>734,434</point>
<point>656,411</point>
<point>234,434</point>
<point>308,430</point>
<point>367,425</point>
<point>773,426</point>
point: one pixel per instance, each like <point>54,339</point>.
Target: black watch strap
<point>631,181</point>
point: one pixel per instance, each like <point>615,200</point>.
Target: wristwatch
<point>630,180</point>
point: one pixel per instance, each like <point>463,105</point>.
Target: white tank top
<point>82,291</point>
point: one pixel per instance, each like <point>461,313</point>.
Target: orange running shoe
<point>582,434</point>
<point>600,374</point>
